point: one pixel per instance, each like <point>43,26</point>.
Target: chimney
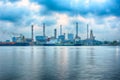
<point>76,29</point>
<point>87,30</point>
<point>91,35</point>
<point>43,29</point>
<point>55,33</point>
<point>32,35</point>
<point>60,29</point>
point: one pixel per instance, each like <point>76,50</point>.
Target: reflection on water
<point>60,63</point>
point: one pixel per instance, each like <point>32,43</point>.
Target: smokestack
<point>32,35</point>
<point>55,33</point>
<point>64,34</point>
<point>76,29</point>
<point>43,29</point>
<point>87,30</point>
<point>60,29</point>
<point>91,34</point>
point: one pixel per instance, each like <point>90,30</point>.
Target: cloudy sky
<point>103,16</point>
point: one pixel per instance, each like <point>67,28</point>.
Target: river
<point>60,63</point>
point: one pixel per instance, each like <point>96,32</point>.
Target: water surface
<point>60,63</point>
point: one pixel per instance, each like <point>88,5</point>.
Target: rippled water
<point>60,63</point>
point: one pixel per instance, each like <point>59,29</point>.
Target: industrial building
<point>70,37</point>
<point>70,40</point>
<point>61,39</point>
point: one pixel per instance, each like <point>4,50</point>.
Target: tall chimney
<point>55,33</point>
<point>87,30</point>
<point>76,29</point>
<point>32,35</point>
<point>60,29</point>
<point>91,34</point>
<point>43,29</point>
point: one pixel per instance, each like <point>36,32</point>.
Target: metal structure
<point>32,35</point>
<point>55,33</point>
<point>76,30</point>
<point>44,29</point>
<point>60,29</point>
<point>87,31</point>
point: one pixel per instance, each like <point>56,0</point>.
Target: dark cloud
<point>53,5</point>
<point>45,12</point>
<point>10,0</point>
<point>14,17</point>
<point>14,0</point>
<point>111,7</point>
<point>12,13</point>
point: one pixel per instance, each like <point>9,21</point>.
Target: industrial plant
<point>60,40</point>
<point>57,40</point>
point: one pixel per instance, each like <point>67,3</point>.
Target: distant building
<point>61,38</point>
<point>41,39</point>
<point>52,41</point>
<point>91,41</point>
<point>14,39</point>
<point>18,39</point>
<point>28,40</point>
<point>7,41</point>
<point>70,36</point>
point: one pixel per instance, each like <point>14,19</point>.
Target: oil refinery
<point>56,40</point>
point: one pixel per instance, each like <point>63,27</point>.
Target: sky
<point>17,16</point>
